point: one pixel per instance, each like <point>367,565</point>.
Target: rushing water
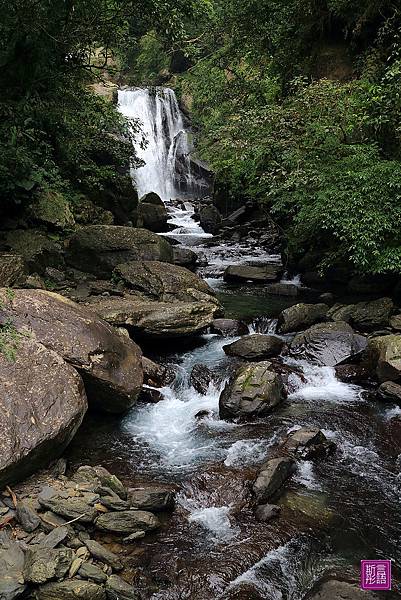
<point>334,512</point>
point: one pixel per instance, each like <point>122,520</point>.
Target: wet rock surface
<point>272,476</point>
<point>301,316</point>
<point>364,315</point>
<point>330,590</point>
<point>109,363</point>
<point>255,347</point>
<point>257,274</point>
<point>229,327</point>
<point>383,355</point>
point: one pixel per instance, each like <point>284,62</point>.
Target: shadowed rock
<point>272,476</point>
<point>255,347</point>
<point>384,356</point>
<point>257,274</point>
<point>300,316</point>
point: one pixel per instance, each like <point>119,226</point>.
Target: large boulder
<point>98,249</point>
<point>184,257</point>
<point>300,316</point>
<point>210,219</point>
<point>364,315</point>
<point>328,344</point>
<point>152,216</point>
<point>163,282</point>
<point>163,320</point>
<point>42,402</point>
<point>308,443</point>
<point>257,274</point>
<point>53,210</point>
<point>255,347</point>
<point>152,198</point>
<point>272,477</point>
<point>12,270</point>
<point>384,357</point>
<point>390,392</point>
<point>229,327</point>
<point>109,363</point>
<point>253,391</point>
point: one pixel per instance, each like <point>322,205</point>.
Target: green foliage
<point>9,341</point>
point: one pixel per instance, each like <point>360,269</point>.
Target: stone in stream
<point>104,555</point>
<point>253,391</point>
<point>154,499</point>
<point>390,392</point>
<point>308,444</point>
<point>395,322</point>
<point>162,282</point>
<point>384,357</point>
<point>210,219</point>
<point>272,476</point>
<point>184,257</point>
<point>98,476</point>
<point>156,320</point>
<point>110,364</point>
<point>341,590</point>
<point>155,374</point>
<point>118,589</point>
<point>283,289</point>
<point>255,347</point>
<point>12,583</point>
<point>200,379</point>
<point>127,522</point>
<point>300,316</point>
<point>364,315</point>
<point>257,274</point>
<point>41,410</point>
<point>328,344</point>
<point>267,512</point>
<point>229,327</point>
<point>71,590</point>
<point>27,517</point>
<point>152,214</point>
<point>353,373</point>
<point>98,249</point>
<point>43,564</point>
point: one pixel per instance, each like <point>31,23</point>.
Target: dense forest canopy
<point>296,104</point>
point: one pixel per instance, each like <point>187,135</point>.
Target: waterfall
<point>167,168</point>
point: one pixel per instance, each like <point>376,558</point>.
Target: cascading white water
<point>166,153</point>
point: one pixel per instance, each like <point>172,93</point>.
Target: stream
<point>334,512</point>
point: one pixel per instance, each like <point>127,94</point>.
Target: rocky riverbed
<point>268,409</point>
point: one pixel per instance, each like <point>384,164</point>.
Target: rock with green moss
<point>37,250</point>
<point>253,391</point>
<point>98,249</point>
<point>12,269</point>
<point>383,356</point>
<point>152,216</point>
<point>87,212</point>
<point>52,209</point>
<point>301,316</point>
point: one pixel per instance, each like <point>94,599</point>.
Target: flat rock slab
<point>43,564</point>
<point>127,522</point>
<point>109,363</point>
<point>156,320</point>
<point>118,589</point>
<point>103,554</point>
<point>272,477</point>
<point>42,403</point>
<point>70,508</point>
<point>152,499</point>
<point>257,274</point>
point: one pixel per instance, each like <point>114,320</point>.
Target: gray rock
<point>300,316</point>
<point>98,249</point>
<point>89,571</point>
<point>41,411</point>
<point>366,316</point>
<point>44,564</point>
<point>114,502</point>
<point>70,508</point>
<point>308,444</point>
<point>11,568</point>
<point>210,219</point>
<point>55,537</point>
<point>71,590</point>
<point>353,373</point>
<point>118,589</point>
<point>110,364</point>
<point>257,274</point>
<point>283,289</point>
<point>127,522</point>
<point>200,378</point>
<point>395,322</point>
<point>156,375</point>
<point>130,539</point>
<point>103,554</point>
<point>229,327</point>
<point>255,347</point>
<point>328,344</point>
<point>390,392</point>
<point>273,474</point>
<point>37,250</point>
<point>27,517</point>
<point>152,198</point>
<point>267,512</point>
<point>154,499</point>
<point>341,590</point>
<point>253,391</point>
<point>184,257</point>
<point>152,216</point>
<point>110,480</point>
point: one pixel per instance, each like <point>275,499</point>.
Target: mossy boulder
<point>37,250</point>
<point>300,316</point>
<point>98,249</point>
<point>12,269</point>
<point>52,209</point>
<point>383,355</point>
<point>366,316</point>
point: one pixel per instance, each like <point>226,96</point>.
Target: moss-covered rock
<point>52,209</point>
<point>37,250</point>
<point>383,355</point>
